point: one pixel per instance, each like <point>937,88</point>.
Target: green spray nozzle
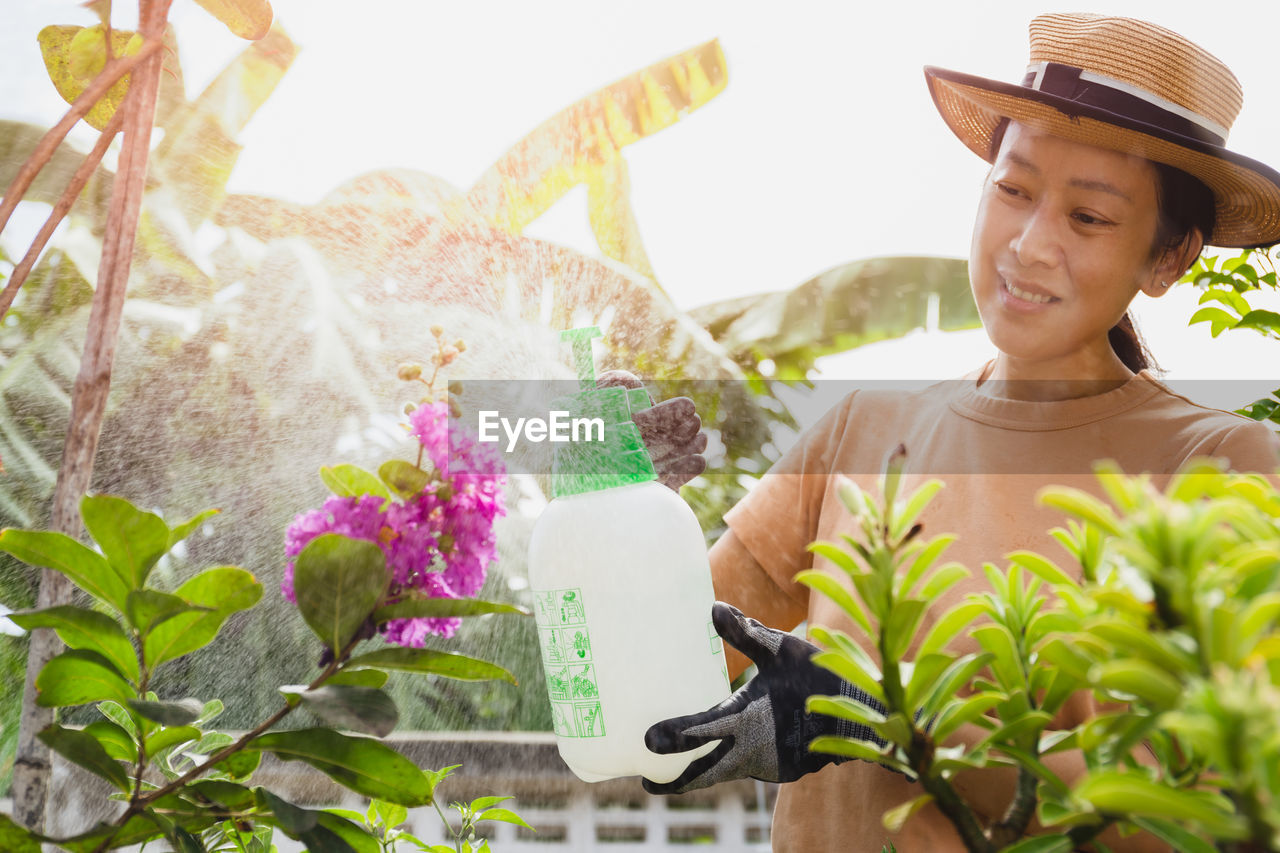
<point>616,458</point>
<point>581,339</point>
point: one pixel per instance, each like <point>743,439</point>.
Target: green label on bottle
<point>566,658</point>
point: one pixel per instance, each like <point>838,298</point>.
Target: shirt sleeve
<point>776,521</point>
<point>1251,447</point>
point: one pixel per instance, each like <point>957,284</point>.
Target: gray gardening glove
<point>671,430</point>
<point>763,728</point>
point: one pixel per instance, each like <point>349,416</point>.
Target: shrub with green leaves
<point>1170,621</point>
<point>175,776</point>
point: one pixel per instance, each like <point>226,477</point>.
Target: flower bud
<point>460,345</point>
<point>409,407</point>
<point>448,354</point>
<point>409,371</point>
<point>455,386</point>
<point>437,330</point>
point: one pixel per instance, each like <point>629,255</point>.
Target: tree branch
<point>89,397</point>
<point>107,77</point>
<point>60,210</point>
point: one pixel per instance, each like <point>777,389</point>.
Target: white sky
<point>824,148</point>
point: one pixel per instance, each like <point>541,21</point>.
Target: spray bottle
<point>622,592</point>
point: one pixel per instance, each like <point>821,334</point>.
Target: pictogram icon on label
<point>572,684</point>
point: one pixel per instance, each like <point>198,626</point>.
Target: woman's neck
<point>1011,378</point>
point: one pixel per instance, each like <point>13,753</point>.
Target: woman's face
<point>1061,245</point>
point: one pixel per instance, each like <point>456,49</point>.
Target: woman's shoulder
<point>1197,428</point>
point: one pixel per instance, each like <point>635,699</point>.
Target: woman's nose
<point>1037,239</point>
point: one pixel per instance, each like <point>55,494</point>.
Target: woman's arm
<point>741,581</point>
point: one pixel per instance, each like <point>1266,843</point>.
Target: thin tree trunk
<point>88,402</point>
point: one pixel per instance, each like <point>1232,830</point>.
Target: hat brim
<point>1247,192</point>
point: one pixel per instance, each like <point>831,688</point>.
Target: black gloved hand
<point>763,728</point>
<point>671,430</point>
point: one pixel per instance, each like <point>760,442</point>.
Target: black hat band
<point>1105,93</point>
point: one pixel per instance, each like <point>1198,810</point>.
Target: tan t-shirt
<point>993,455</point>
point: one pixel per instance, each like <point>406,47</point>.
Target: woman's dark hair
<point>1185,204</point>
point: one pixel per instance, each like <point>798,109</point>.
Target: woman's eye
<point>1090,219</point>
<point>1008,189</point>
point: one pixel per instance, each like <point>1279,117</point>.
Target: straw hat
<point>1130,86</point>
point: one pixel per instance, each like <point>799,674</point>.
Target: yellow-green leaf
<point>895,817</point>
<point>249,19</point>
<point>73,56</point>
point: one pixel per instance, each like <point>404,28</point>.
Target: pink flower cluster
<point>439,542</point>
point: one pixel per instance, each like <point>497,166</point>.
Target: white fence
<point>566,813</point>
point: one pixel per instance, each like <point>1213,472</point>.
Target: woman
<point>1108,176</point>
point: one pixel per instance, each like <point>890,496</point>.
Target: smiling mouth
<point>1026,295</point>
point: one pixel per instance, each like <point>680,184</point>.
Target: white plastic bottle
<point>622,595</point>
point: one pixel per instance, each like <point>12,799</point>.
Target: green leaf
<point>81,628</point>
<point>359,678</point>
<point>224,590</point>
<point>900,628</point>
<point>85,567</point>
<point>1082,505</point>
<point>921,563</point>
<point>338,582</point>
<point>224,793</point>
<point>1042,844</point>
<point>185,842</point>
<point>845,709</point>
<point>1170,833</point>
<point>1218,320</point>
<point>1260,319</point>
<point>363,765</point>
<point>442,608</point>
<point>118,743</point>
<point>843,643</point>
<point>138,829</point>
<point>963,711</point>
<point>834,590</point>
<point>239,765</point>
<point>17,839</point>
<point>79,676</point>
<point>147,608</point>
<point>178,713</point>
<point>389,814</point>
<point>365,709</point>
<point>404,478</point>
<point>132,540</point>
<point>1135,796</point>
<point>352,481</point>
<point>83,749</point>
<point>925,672</point>
<point>956,676</point>
<point>952,622</point>
<point>895,818</point>
<point>294,820</point>
<point>448,664</point>
<point>996,639</point>
<point>186,528</point>
<point>942,579</point>
<point>73,56</point>
<point>249,19</point>
<point>1137,678</point>
<point>349,832</point>
<point>906,515</point>
<point>847,668</point>
<point>1042,567</point>
<point>504,815</point>
<point>172,736</point>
